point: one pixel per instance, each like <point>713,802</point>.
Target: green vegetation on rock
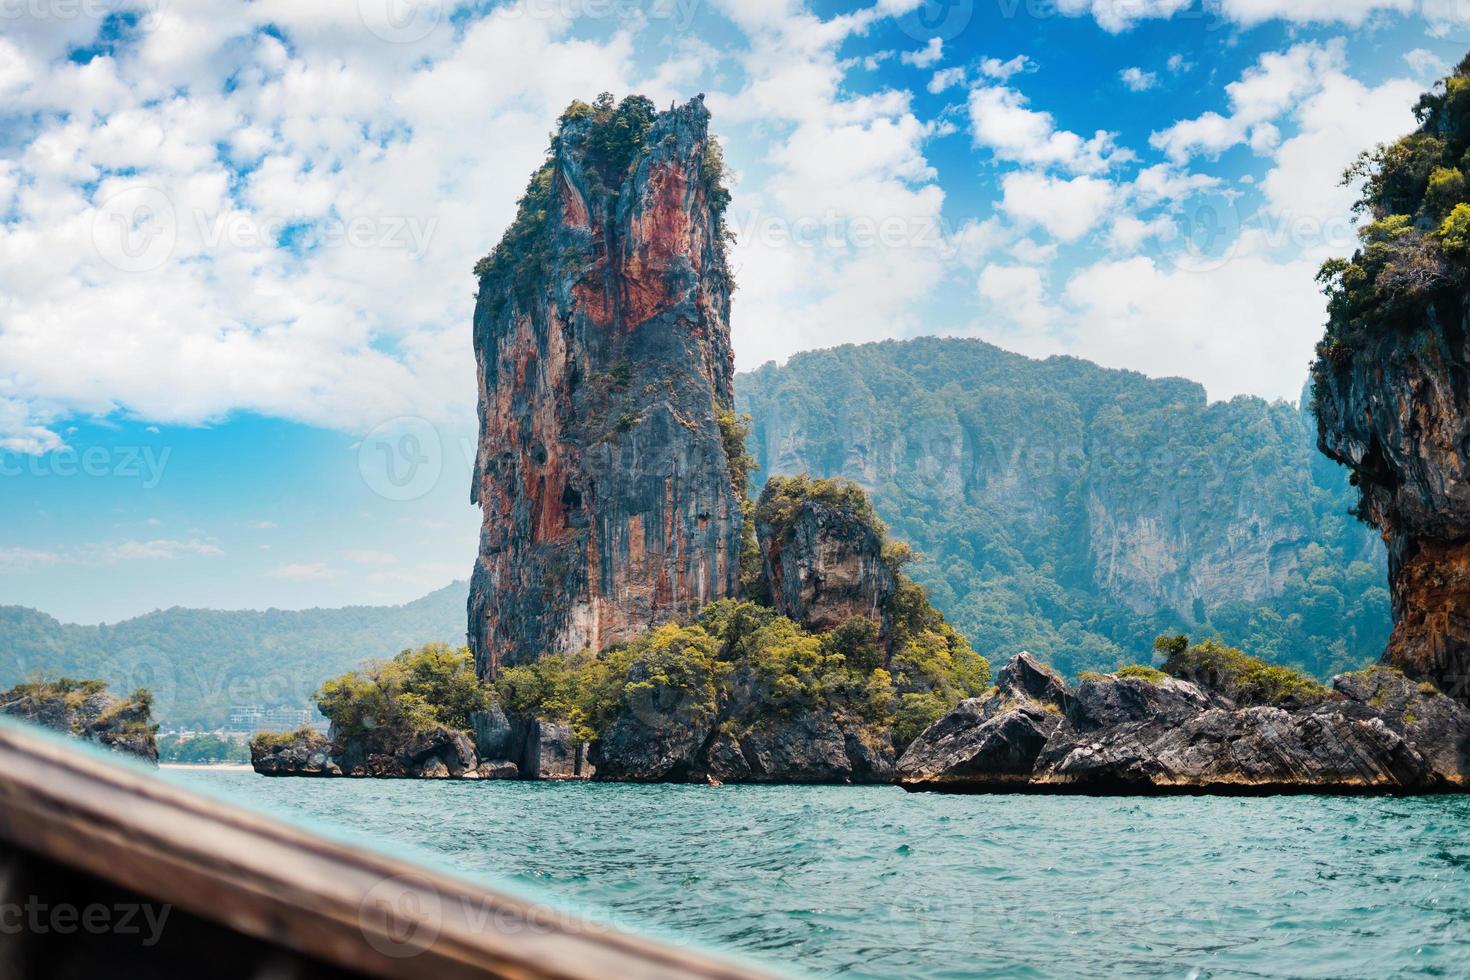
<point>1415,191</point>
<point>741,662</point>
<point>1244,679</point>
<point>784,497</point>
<point>1077,512</point>
<point>435,685</point>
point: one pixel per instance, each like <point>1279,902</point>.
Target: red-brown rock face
<point>1397,411</point>
<point>602,338</point>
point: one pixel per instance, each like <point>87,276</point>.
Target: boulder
<point>553,752</point>
<point>1110,701</point>
<point>1025,677</point>
<point>984,743</point>
<point>303,753</point>
<point>809,747</point>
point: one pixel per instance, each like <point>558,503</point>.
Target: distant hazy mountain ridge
<point>198,662</point>
<point>1076,511</point>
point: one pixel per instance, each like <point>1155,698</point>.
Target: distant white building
<point>252,718</point>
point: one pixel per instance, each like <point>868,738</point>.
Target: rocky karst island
<point>635,615</point>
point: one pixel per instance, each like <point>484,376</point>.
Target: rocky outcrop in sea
<point>602,337</point>
<point>1373,732</point>
<point>87,710</point>
<point>497,748</point>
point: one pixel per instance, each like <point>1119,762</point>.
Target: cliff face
<point>826,566</point>
<point>1132,502</point>
<point>602,339</point>
<point>1393,378</point>
<point>1397,410</point>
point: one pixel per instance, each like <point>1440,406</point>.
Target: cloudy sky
<point>236,238</point>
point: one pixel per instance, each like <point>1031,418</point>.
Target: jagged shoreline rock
<point>86,710</point>
<point>1377,732</point>
<point>524,749</point>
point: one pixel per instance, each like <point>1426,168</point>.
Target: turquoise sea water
<point>871,881</point>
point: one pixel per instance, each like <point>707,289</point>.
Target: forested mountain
<point>1076,511</point>
<point>198,662</point>
<point>1058,507</point>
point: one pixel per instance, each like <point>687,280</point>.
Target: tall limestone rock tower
<point>602,338</point>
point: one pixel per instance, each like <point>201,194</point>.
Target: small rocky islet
<point>722,639</point>
<point>85,709</point>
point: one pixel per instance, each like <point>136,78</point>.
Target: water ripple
<point>871,881</point>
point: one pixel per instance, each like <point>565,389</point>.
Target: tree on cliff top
<point>416,690</point>
<point>784,497</point>
<point>1417,244</point>
<point>615,137</point>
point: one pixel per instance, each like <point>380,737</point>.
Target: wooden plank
<point>281,885</point>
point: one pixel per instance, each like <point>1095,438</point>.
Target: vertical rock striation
<point>602,339</point>
<point>1397,411</point>
<point>1393,379</point>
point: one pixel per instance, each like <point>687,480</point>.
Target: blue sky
<point>235,239</point>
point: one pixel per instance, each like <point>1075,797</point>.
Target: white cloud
<point>1115,16</point>
<point>14,560</point>
<point>1031,252</point>
<point>976,239</point>
<point>1001,122</point>
<point>843,238</point>
<point>1269,88</point>
<point>1245,327</point>
<point>160,549</point>
<point>1350,13</point>
<point>1162,182</point>
<point>946,78</point>
<point>1066,209</point>
<point>1138,80</point>
<point>1303,190</point>
<point>925,56</point>
<point>1018,293</point>
<point>1177,64</point>
<point>1003,70</point>
<point>337,128</point>
<point>1128,233</point>
<point>306,572</point>
<point>1426,65</point>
